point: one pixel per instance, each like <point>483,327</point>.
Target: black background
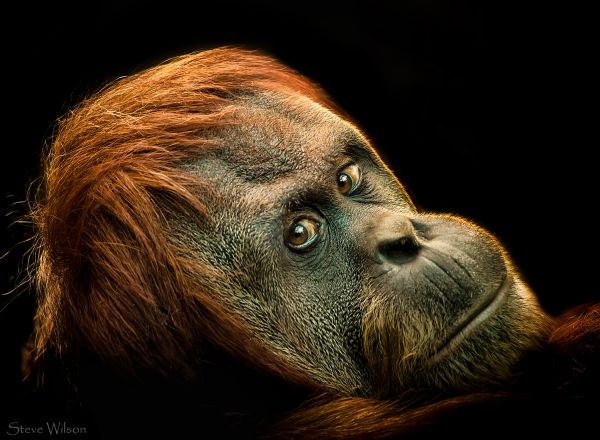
<point>483,110</point>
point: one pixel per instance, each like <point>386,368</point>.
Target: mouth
<point>471,321</point>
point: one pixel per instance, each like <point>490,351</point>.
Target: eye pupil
<point>300,233</point>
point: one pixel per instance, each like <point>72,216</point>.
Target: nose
<point>397,243</point>
<point>400,250</point>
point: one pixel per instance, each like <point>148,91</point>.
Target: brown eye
<point>303,233</point>
<point>348,179</point>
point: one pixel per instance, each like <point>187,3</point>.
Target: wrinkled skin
<point>384,298</point>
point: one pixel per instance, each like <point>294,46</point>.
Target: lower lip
<point>475,317</point>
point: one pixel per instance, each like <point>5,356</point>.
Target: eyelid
<point>299,208</point>
<point>359,152</point>
<point>347,163</point>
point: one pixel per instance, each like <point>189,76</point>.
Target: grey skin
<point>386,299</point>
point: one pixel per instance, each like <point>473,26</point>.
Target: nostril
<point>400,250</point>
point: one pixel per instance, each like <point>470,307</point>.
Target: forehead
<point>275,136</point>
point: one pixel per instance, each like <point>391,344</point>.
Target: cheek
<point>328,295</point>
